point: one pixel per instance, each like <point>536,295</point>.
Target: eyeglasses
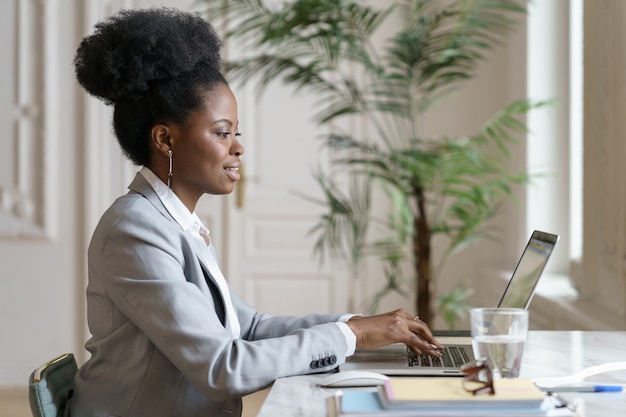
<point>478,378</point>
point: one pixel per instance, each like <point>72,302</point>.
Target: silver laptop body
<point>398,360</point>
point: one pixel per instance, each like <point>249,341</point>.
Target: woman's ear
<point>161,139</point>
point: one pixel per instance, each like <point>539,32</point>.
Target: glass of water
<point>498,336</point>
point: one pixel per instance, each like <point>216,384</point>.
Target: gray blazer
<point>159,344</point>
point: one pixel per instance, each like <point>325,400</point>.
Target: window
<point>555,145</point>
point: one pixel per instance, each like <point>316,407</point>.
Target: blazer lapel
<point>220,308</point>
<point>141,186</point>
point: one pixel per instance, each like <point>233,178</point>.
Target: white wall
<point>41,245</point>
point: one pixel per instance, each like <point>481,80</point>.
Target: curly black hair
<point>152,65</point>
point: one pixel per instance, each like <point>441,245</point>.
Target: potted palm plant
<point>449,186</point>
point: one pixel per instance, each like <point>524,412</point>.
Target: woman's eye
<point>225,135</point>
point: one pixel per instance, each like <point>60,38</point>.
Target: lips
<point>233,173</point>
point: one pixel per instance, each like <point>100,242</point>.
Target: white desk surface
<point>547,354</point>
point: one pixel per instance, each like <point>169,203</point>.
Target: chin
<point>223,191</point>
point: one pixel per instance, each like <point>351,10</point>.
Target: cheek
<point>214,156</point>
<point>221,151</point>
<point>204,153</point>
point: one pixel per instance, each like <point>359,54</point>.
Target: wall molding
<point>27,204</point>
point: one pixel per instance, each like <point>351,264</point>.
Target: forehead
<point>219,105</point>
<point>219,95</point>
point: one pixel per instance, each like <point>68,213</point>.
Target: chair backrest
<point>51,386</point>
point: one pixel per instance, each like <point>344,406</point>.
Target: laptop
<point>397,359</point>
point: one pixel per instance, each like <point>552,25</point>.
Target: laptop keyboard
<point>453,357</point>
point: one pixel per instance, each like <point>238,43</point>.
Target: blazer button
<point>333,360</point>
<point>320,363</point>
<point>313,364</point>
<point>326,361</point>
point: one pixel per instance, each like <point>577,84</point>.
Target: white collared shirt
<point>190,221</point>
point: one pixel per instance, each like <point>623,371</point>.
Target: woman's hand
<point>394,327</point>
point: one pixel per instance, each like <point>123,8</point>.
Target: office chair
<point>51,386</point>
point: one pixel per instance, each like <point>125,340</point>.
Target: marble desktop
<point>547,354</point>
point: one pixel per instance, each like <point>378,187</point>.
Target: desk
<point>547,354</point>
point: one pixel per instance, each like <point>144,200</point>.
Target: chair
<point>51,386</point>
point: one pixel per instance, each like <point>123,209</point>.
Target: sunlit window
<point>554,202</point>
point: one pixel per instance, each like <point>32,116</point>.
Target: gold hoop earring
<point>170,174</point>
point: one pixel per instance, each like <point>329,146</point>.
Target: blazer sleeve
<point>257,326</point>
<point>147,290</point>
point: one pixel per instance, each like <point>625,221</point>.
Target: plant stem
<point>422,259</point>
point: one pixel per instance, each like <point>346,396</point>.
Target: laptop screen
<point>521,287</point>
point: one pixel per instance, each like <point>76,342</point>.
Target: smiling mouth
<point>233,173</point>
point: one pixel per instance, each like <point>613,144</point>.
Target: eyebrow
<point>230,123</point>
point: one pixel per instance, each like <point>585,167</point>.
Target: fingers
<point>422,340</point>
<point>419,346</point>
<point>420,328</point>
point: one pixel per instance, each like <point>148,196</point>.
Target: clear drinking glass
<point>498,336</point>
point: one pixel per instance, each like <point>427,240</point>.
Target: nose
<point>237,147</point>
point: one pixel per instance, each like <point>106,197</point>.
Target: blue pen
<point>587,388</point>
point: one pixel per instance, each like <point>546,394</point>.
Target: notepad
<point>511,394</point>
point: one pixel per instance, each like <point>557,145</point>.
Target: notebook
<point>437,394</point>
<point>398,360</point>
<point>442,397</point>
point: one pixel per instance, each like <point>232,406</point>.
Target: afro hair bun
<point>134,48</point>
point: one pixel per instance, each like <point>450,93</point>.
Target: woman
<point>169,338</point>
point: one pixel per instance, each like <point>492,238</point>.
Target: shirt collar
<point>181,214</point>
